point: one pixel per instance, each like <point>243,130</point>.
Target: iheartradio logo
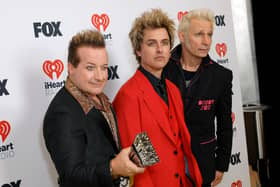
<point>181,14</point>
<point>221,49</point>
<point>50,67</point>
<point>5,129</point>
<point>236,184</point>
<point>103,20</point>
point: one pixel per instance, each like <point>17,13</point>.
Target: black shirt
<point>188,76</point>
<point>158,84</point>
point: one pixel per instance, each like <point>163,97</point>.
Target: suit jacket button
<point>176,175</point>
<point>175,152</point>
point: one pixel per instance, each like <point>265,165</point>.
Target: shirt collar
<point>84,99</point>
<point>153,79</point>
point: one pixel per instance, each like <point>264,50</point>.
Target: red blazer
<point>139,108</point>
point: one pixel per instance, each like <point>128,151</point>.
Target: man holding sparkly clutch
<point>149,103</point>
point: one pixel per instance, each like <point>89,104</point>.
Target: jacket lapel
<point>154,104</point>
<point>196,90</point>
<point>103,124</point>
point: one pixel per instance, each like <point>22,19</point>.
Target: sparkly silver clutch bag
<point>143,153</point>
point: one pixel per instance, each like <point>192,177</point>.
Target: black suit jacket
<point>80,145</point>
<point>208,96</point>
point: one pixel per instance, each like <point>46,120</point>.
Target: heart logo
<point>232,117</point>
<point>221,49</point>
<point>181,14</point>
<point>5,129</point>
<point>103,20</point>
<point>236,184</point>
<point>50,67</point>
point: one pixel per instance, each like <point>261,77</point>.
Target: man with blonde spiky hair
<point>206,89</point>
<point>149,103</point>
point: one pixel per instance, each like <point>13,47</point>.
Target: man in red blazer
<point>148,102</point>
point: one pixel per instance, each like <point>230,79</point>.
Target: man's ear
<point>138,53</point>
<point>70,68</point>
<point>181,36</point>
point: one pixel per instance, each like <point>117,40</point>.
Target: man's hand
<point>218,178</point>
<point>122,166</point>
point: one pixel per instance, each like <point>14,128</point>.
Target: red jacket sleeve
<point>128,110</point>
